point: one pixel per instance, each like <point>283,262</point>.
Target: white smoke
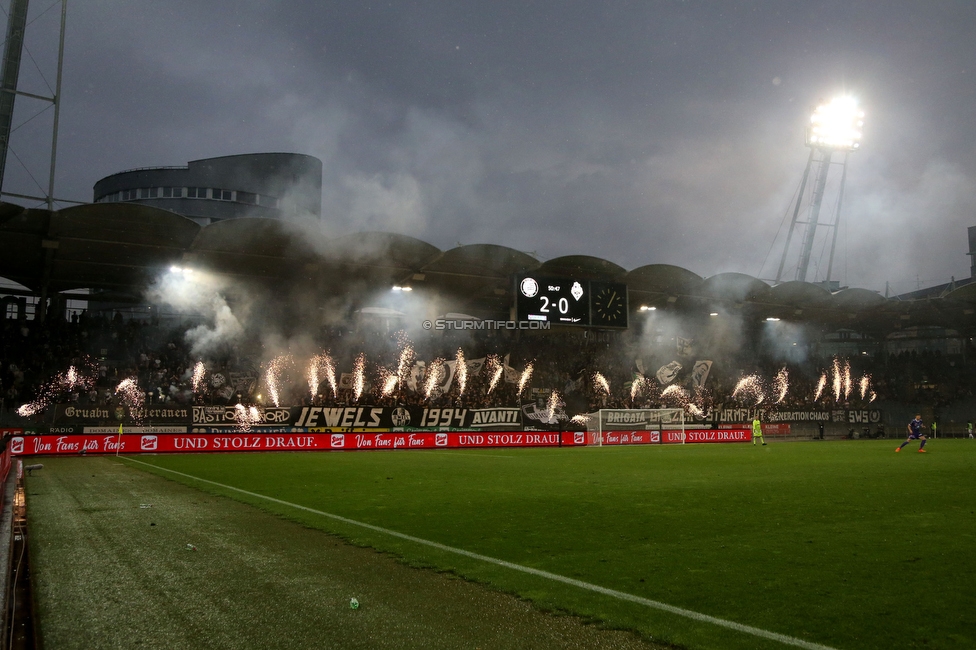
<point>203,295</point>
<point>225,329</point>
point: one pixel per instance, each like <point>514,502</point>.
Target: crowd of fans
<point>107,350</point>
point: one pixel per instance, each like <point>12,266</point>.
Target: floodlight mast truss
<point>9,77</point>
<point>834,127</point>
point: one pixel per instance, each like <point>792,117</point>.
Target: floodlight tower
<point>835,127</point>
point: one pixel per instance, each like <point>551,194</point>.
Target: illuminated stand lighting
<point>835,127</point>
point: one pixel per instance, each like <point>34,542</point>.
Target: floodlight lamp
<point>185,271</point>
<point>772,319</point>
<point>836,125</point>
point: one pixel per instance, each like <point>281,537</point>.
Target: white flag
<point>474,366</point>
<point>511,374</point>
<point>667,373</point>
<point>447,376</point>
<point>416,375</point>
<point>699,373</point>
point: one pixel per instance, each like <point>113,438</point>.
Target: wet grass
<point>124,559</point>
<point>845,544</point>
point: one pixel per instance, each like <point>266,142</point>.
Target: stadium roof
<point>114,246</point>
<point>583,267</point>
<point>122,247</point>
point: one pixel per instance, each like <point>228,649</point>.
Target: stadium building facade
<point>266,185</point>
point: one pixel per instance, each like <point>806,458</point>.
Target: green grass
<point>845,544</point>
<point>108,573</point>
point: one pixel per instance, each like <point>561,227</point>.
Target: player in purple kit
<point>915,433</point>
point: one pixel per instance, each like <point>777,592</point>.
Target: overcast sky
<point>641,132</point>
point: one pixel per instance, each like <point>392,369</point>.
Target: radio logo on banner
<point>338,440</point>
<point>440,440</point>
<point>17,445</point>
<point>149,443</point>
<point>579,438</point>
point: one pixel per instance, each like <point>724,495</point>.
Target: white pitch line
<point>620,595</point>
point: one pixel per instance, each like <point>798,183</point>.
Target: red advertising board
<point>631,437</point>
<point>253,441</point>
<point>671,437</point>
<point>708,435</point>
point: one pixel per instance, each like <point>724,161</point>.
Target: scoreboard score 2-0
<point>569,301</point>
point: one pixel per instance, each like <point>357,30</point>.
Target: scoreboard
<point>570,301</point>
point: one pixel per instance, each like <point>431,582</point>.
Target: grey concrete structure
<point>268,185</point>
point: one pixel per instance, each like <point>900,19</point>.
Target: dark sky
<point>641,132</point>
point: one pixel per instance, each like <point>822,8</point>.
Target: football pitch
<point>834,544</point>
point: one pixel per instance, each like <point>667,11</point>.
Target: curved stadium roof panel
<point>9,210</point>
<point>965,293</point>
<point>125,223</point>
<point>664,278</point>
<point>119,246</point>
<point>480,260</point>
<point>737,287</point>
<point>802,295</point>
<point>21,251</point>
<point>582,266</point>
<point>261,249</point>
<point>378,249</point>
<point>367,261</point>
<point>116,244</point>
<point>252,236</point>
<point>857,299</point>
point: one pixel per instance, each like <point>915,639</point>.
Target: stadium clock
<point>608,304</point>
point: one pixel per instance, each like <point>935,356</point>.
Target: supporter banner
<point>68,414</point>
<point>634,418</point>
<point>264,441</point>
<point>535,417</point>
<point>739,415</point>
<point>349,418</point>
<point>129,429</point>
<point>11,432</point>
<point>227,415</point>
<point>862,416</point>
